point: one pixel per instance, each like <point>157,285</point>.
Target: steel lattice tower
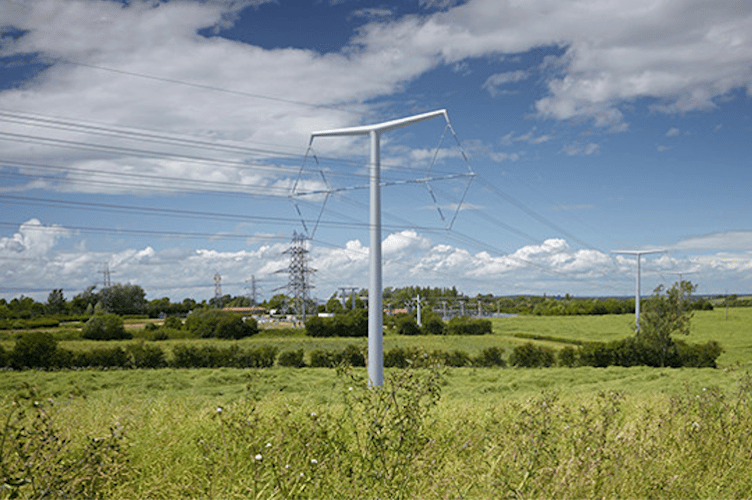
<point>299,285</point>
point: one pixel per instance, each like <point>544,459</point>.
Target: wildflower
<point>219,409</point>
<point>314,461</point>
<point>314,414</point>
<point>258,457</point>
<point>268,445</point>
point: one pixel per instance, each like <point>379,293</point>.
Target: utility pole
<point>344,290</point>
<point>218,290</point>
<point>375,291</point>
<point>253,288</point>
<point>638,253</point>
<point>417,300</point>
<point>106,283</point>
<point>299,284</point>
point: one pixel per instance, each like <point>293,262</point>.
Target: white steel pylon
<point>375,301</point>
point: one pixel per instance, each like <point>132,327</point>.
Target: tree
<point>84,301</point>
<point>56,302</point>
<point>665,315</point>
<point>123,299</point>
<point>105,327</point>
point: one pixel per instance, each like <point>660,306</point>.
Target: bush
<point>114,357</point>
<point>215,323</point>
<point>323,359</point>
<point>465,325</point>
<point>41,323</point>
<point>351,324</point>
<point>454,358</point>
<point>491,356</point>
<point>232,326</point>
<point>292,359</point>
<point>699,355</point>
<point>596,354</point>
<point>434,326</point>
<point>568,357</point>
<point>257,357</point>
<point>147,356</point>
<point>532,356</point>
<point>173,323</point>
<point>353,356</point>
<point>34,350</point>
<point>216,357</point>
<point>315,326</point>
<point>406,325</point>
<point>151,327</point>
<point>105,327</point>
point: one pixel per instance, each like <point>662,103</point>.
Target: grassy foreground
<point>446,433</point>
<point>316,433</point>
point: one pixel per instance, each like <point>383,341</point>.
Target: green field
<point>453,433</point>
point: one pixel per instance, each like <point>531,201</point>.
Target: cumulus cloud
<point>33,239</point>
<point>679,54</point>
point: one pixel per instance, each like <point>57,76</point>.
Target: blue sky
<point>163,141</point>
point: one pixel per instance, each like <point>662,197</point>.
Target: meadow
<point>429,433</point>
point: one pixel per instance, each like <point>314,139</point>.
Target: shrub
<point>41,323</point>
<point>323,359</point>
<point>3,357</point>
<point>315,326</point>
<point>232,326</point>
<point>465,325</point>
<point>454,358</point>
<point>567,356</point>
<point>351,324</point>
<point>257,357</point>
<point>34,350</point>
<point>292,359</point>
<point>114,357</point>
<point>434,326</point>
<point>491,356</point>
<point>215,323</point>
<point>147,356</point>
<point>406,325</point>
<point>173,323</point>
<point>532,356</point>
<point>353,356</point>
<point>596,354</point>
<point>105,327</point>
<point>699,355</point>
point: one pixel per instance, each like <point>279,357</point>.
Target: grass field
<point>458,433</point>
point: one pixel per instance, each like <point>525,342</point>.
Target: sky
<point>171,141</point>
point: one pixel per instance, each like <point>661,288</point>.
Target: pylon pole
<point>375,292</point>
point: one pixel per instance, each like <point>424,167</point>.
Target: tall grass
<point>652,434</point>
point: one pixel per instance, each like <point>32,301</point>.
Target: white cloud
<point>409,258</point>
<point>33,239</point>
<point>672,132</point>
<point>677,53</point>
<point>493,82</point>
<point>726,240</point>
<point>578,149</point>
<point>679,56</point>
